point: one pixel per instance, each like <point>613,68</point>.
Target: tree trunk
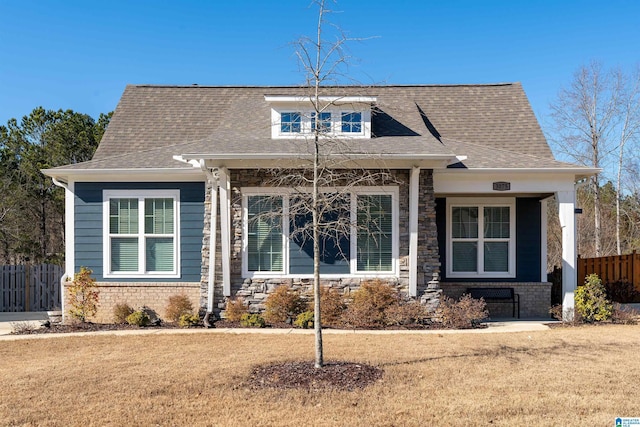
<point>317,321</point>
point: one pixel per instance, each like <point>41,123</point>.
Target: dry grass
<point>566,376</point>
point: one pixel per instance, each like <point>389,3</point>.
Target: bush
<point>235,310</point>
<point>465,313</point>
<point>406,313</point>
<point>23,327</point>
<point>177,306</point>
<point>83,295</point>
<point>332,306</point>
<point>120,312</point>
<point>624,316</point>
<point>304,320</point>
<point>591,300</point>
<point>138,318</point>
<point>557,313</point>
<point>188,320</point>
<point>283,305</point>
<point>252,321</point>
<point>622,292</point>
<point>369,304</point>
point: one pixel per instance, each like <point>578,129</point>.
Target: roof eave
<point>125,174</point>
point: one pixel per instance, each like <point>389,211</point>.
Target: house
<point>182,170</point>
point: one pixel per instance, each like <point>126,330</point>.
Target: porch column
<point>225,229</point>
<point>566,210</point>
<point>543,240</point>
<point>213,237</point>
<point>414,194</point>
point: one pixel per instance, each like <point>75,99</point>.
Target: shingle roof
<point>490,124</point>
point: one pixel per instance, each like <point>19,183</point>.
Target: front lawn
<point>565,376</point>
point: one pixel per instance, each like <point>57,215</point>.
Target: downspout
<point>67,274</point>
<point>212,241</point>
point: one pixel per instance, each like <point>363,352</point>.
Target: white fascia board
<point>125,175</point>
<point>360,156</point>
<point>334,100</point>
<point>577,172</point>
<point>290,160</point>
<point>521,181</point>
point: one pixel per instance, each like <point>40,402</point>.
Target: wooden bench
<point>498,295</point>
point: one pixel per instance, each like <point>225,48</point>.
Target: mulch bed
<point>59,328</point>
<point>344,376</point>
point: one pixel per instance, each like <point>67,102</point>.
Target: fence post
<point>27,288</point>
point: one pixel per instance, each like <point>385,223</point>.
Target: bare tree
<point>586,116</point>
<point>321,184</point>
<point>628,132</point>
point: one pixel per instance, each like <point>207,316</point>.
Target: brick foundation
<point>535,298</point>
<point>152,295</point>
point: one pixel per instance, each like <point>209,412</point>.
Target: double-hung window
<point>358,234</point>
<point>481,238</point>
<point>141,233</point>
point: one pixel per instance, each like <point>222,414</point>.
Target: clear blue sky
<point>81,54</point>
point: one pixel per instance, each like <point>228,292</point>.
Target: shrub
<point>409,312</point>
<point>83,295</point>
<point>332,306</point>
<point>557,313</point>
<point>369,304</point>
<point>188,320</point>
<point>235,309</point>
<point>23,327</point>
<point>283,305</point>
<point>138,318</point>
<point>465,313</point>
<point>624,316</point>
<point>304,320</point>
<point>120,312</point>
<point>591,300</point>
<point>177,306</point>
<point>252,321</point>
<point>622,292</point>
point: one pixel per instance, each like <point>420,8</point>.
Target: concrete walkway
<point>501,326</point>
<point>34,318</point>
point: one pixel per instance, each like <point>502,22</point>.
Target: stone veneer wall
<point>255,291</point>
<point>535,297</point>
<point>155,296</point>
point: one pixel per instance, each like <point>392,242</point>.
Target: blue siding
<point>528,245</point>
<point>88,225</point>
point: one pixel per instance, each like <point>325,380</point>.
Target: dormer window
<point>352,122</point>
<point>322,122</point>
<point>339,116</point>
<point>290,122</point>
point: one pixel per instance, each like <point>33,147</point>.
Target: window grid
<point>352,122</point>
<point>290,122</point>
<point>368,252</point>
<point>135,251</point>
<point>480,253</point>
<point>322,120</point>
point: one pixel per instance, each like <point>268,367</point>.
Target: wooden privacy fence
<point>611,269</point>
<point>30,287</point>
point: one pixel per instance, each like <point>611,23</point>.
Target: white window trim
<point>305,122</point>
<point>365,190</point>
<point>141,195</point>
<point>480,203</point>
